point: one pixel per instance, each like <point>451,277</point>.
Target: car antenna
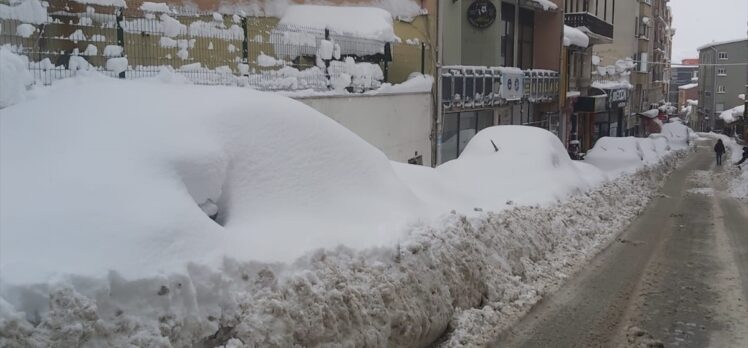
<point>496,148</point>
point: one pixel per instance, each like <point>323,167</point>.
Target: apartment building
<point>643,32</point>
<point>685,74</point>
<point>590,109</point>
<point>723,76</point>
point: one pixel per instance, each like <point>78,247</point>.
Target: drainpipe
<point>516,33</point>
<point>712,121</point>
<point>435,122</point>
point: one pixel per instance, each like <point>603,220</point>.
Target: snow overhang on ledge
<point>363,22</point>
<point>575,37</point>
<point>545,5</point>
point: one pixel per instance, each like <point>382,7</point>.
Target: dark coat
<point>719,148</point>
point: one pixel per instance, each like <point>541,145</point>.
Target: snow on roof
<point>574,36</point>
<point>29,11</point>
<point>732,115</point>
<point>402,9</point>
<point>155,7</point>
<point>365,22</point>
<point>115,3</point>
<point>719,43</point>
<point>692,102</point>
<point>741,96</point>
<point>653,113</point>
<point>689,86</point>
<point>612,84</point>
<point>545,4</point>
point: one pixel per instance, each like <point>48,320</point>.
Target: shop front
<point>600,114</point>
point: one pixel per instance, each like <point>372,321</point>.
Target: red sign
<point>690,61</point>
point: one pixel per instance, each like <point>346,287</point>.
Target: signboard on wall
<point>512,85</point>
<point>617,98</point>
<point>481,14</point>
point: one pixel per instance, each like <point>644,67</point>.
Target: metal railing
<point>591,22</point>
<point>204,47</point>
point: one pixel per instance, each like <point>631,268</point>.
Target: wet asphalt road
<point>677,277</point>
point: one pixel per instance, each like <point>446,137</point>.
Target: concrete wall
<point>397,124</point>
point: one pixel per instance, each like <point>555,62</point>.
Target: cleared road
<point>677,277</point>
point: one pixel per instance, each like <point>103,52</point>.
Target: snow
<point>16,77</point>
<point>77,36</point>
<point>364,22</point>
<point>416,84</point>
<point>325,49</point>
<point>401,9</point>
<point>29,11</point>
<point>595,60</point>
<point>574,36</point>
<point>98,38</point>
<point>741,96</point>
<point>572,94</point>
<point>113,51</point>
<point>653,113</point>
<point>733,114</point>
<point>126,254</point>
<point>91,50</point>
<point>170,26</point>
<point>606,84</point>
<point>618,156</point>
<point>265,61</point>
<point>155,7</point>
<point>25,30</point>
<point>546,4</point>
<point>115,3</point>
<point>116,65</point>
<point>689,86</point>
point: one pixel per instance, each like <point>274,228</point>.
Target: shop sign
<point>481,14</point>
<point>512,85</point>
<point>618,97</point>
<point>592,104</point>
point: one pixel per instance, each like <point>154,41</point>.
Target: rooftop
<point>720,43</point>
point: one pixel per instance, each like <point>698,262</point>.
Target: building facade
<point>685,74</point>
<point>499,64</point>
<point>723,76</point>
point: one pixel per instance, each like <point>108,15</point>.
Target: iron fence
<point>206,48</point>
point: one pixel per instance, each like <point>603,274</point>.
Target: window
<point>723,55</point>
<point>722,71</point>
<point>459,128</point>
<point>526,24</point>
<point>721,89</point>
<point>507,34</point>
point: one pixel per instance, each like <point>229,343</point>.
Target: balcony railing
<point>474,87</point>
<point>594,24</point>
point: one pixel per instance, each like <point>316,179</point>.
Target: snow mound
<point>618,156</point>
<point>125,189</point>
<point>16,77</point>
<point>531,166</point>
<point>364,22</point>
<point>677,134</point>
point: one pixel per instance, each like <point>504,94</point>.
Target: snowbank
<point>547,173</point>
<point>416,84</point>
<point>16,77</point>
<point>365,22</point>
<point>115,209</point>
<point>574,36</point>
<point>617,156</point>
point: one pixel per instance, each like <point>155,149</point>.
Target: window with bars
<point>722,71</point>
<point>723,55</point>
<point>721,89</point>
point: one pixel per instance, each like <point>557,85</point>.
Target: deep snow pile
<point>618,156</point>
<point>107,237</point>
<point>16,77</point>
<point>131,188</point>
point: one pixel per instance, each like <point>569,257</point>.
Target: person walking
<point>745,156</point>
<point>719,149</point>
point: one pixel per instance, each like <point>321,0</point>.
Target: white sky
<point>699,22</point>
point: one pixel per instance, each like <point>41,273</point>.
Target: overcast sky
<point>699,22</point>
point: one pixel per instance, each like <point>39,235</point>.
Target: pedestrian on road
<point>745,156</point>
<point>719,148</point>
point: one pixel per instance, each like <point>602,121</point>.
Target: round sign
<point>481,14</point>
